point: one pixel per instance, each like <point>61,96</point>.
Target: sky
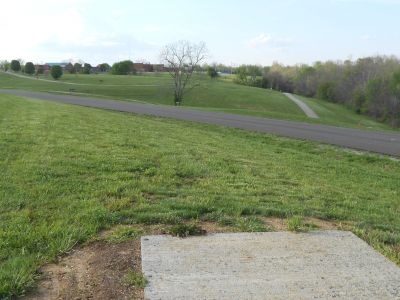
<point>235,31</point>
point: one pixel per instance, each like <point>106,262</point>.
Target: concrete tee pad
<point>272,265</point>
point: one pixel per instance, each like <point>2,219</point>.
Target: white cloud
<point>260,40</point>
<point>53,30</point>
<point>267,40</point>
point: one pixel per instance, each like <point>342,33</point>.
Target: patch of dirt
<point>96,271</point>
<point>322,224</point>
<point>210,227</point>
<point>279,224</point>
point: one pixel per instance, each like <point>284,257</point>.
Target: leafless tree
<point>182,58</point>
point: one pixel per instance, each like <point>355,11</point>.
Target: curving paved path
<point>374,141</point>
<point>306,109</point>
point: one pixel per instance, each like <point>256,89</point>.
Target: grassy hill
<point>216,95</point>
<point>68,172</point>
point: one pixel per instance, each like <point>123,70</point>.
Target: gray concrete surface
<point>273,265</point>
<point>375,141</point>
<point>306,109</point>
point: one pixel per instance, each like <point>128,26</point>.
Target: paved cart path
<point>375,141</point>
<point>306,109</point>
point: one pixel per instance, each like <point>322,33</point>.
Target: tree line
<point>369,86</point>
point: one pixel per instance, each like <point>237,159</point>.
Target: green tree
<point>395,100</point>
<point>15,65</point>
<point>122,68</point>
<point>326,91</point>
<point>4,65</point>
<point>77,67</point>
<point>212,72</point>
<point>254,72</point>
<point>56,72</point>
<point>241,74</point>
<point>395,84</point>
<point>104,67</point>
<point>87,68</point>
<point>70,68</point>
<point>29,68</point>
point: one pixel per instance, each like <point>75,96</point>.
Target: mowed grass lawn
<point>215,95</point>
<point>339,115</point>
<point>68,172</point>
<point>158,89</point>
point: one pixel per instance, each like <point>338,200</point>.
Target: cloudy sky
<point>235,31</point>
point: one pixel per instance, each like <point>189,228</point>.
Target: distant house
<point>144,67</point>
<point>159,68</point>
<point>95,70</point>
<point>42,67</point>
<point>141,67</point>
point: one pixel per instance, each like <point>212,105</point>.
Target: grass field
<point>337,114</point>
<point>215,95</point>
<point>67,172</point>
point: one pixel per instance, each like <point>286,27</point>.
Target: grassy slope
<point>69,171</point>
<point>216,95</point>
<point>339,115</point>
<point>211,94</point>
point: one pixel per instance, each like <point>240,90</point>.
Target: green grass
<point>212,94</point>
<point>135,279</point>
<point>339,115</point>
<point>295,224</point>
<point>123,233</point>
<point>215,95</point>
<point>68,172</point>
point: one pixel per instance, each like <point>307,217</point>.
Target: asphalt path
<point>374,141</point>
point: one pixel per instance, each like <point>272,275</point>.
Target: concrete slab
<point>273,265</point>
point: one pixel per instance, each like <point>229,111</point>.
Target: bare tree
<point>182,59</point>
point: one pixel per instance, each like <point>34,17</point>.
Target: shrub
<point>212,72</point>
<point>358,101</point>
<point>326,91</point>
<point>15,65</point>
<point>56,72</point>
<point>29,68</point>
<point>122,68</point>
